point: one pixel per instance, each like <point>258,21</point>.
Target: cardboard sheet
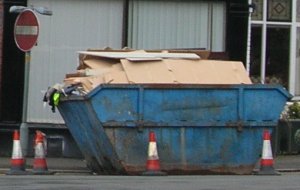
<point>209,72</point>
<point>97,63</point>
<point>140,67</point>
<point>186,72</point>
<point>147,72</point>
<point>116,77</point>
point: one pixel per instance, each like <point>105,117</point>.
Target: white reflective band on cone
<point>267,152</point>
<point>39,151</point>
<point>152,150</point>
<point>17,151</point>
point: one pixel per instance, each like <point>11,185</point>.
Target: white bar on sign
<point>26,30</point>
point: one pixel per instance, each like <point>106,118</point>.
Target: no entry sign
<point>26,30</point>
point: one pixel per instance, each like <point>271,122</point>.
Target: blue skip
<point>200,129</point>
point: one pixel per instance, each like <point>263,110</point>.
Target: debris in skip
<point>145,67</point>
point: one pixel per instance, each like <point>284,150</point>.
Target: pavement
<point>282,163</point>
<point>57,165</point>
<point>285,163</point>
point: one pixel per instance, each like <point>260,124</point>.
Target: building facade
<point>266,42</point>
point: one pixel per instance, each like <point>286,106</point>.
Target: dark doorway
<point>12,70</point>
<point>237,29</point>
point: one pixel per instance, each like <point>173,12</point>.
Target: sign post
<point>26,33</point>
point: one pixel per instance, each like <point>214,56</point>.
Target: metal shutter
<point>177,24</point>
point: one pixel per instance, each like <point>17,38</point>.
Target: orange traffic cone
<point>153,164</point>
<point>17,161</point>
<point>40,163</point>
<point>266,162</point>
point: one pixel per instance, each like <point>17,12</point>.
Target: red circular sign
<point>26,30</point>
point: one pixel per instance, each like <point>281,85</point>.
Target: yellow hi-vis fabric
<point>56,98</point>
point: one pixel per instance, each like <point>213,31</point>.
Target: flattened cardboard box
<point>137,67</point>
<point>186,72</point>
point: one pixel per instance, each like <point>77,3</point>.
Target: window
<point>274,48</point>
<point>297,70</point>
<point>255,62</point>
<point>258,10</point>
<point>279,10</point>
<point>277,55</point>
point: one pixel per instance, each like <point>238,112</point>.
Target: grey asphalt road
<point>73,174</point>
<point>287,181</point>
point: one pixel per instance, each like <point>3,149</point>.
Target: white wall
<point>75,25</point>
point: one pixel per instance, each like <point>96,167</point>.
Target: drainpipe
<point>249,37</point>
